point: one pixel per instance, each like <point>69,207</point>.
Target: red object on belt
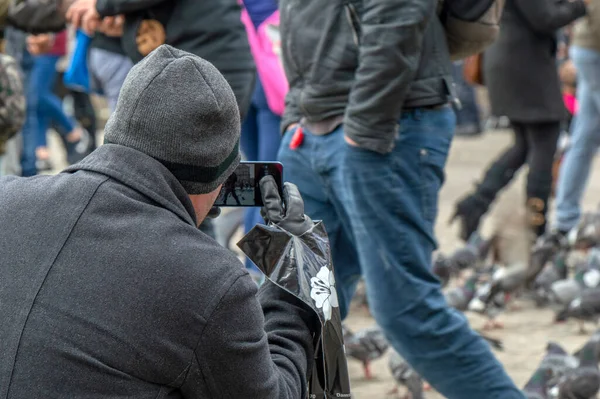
<point>60,44</point>
<point>297,139</point>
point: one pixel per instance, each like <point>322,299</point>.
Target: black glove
<point>287,214</point>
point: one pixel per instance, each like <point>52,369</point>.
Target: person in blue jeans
<point>44,107</point>
<point>368,128</point>
<point>260,129</point>
<point>585,139</point>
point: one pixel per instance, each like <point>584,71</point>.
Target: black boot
<point>469,212</point>
<point>471,208</point>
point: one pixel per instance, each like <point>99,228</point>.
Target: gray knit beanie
<point>179,109</point>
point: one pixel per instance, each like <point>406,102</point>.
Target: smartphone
<point>243,189</point>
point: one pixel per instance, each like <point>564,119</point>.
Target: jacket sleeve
<point>291,113</point>
<point>389,56</point>
<point>243,354</point>
<point>547,17</point>
<point>108,8</point>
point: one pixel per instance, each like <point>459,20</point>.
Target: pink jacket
<point>265,45</point>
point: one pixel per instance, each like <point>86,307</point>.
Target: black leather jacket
<point>364,59</point>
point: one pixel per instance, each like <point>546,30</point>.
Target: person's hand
<point>350,141</point>
<point>112,26</point>
<point>83,14</point>
<point>287,214</point>
<point>40,44</point>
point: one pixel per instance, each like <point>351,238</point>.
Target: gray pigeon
<point>587,275</point>
<point>509,279</point>
<point>587,233</point>
<point>472,254</point>
<point>558,360</point>
<point>583,382</point>
<point>442,269</point>
<point>541,256</point>
<point>459,297</point>
<point>553,271</point>
<point>536,387</point>
<point>492,297</point>
<point>365,346</point>
<point>488,306</point>
<point>359,298</point>
<point>555,364</point>
<point>585,307</point>
<point>564,291</point>
<point>405,376</point>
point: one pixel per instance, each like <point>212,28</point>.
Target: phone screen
<point>243,189</point>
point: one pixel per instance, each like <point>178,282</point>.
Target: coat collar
<point>141,173</point>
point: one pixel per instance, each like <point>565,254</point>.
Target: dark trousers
<point>535,145</point>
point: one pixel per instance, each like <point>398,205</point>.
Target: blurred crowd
<point>366,147</point>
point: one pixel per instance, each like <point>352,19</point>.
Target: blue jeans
<point>393,200</point>
<point>108,71</point>
<point>585,139</point>
<point>43,106</point>
<point>260,142</point>
<point>316,168</point>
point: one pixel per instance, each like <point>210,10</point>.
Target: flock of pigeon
<point>484,276</point>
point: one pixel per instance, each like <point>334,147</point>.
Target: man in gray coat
<point>107,287</point>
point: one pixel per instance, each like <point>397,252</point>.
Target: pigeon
<point>562,292</point>
<point>586,234</point>
<point>583,382</point>
<point>359,299</point>
<point>508,280</point>
<point>552,272</point>
<point>443,270</point>
<point>587,275</point>
<point>365,346</point>
<point>492,297</point>
<point>555,364</point>
<point>593,258</point>
<point>558,360</point>
<point>471,255</point>
<point>585,307</point>
<point>540,259</point>
<point>459,297</point>
<point>536,387</point>
<point>491,308</point>
<point>405,376</point>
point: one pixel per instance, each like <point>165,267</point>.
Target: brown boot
<point>536,215</point>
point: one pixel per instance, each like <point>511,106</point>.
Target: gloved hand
<point>287,214</point>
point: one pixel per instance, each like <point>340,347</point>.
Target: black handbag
<point>37,16</point>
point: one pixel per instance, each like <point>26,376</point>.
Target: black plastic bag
<point>302,266</point>
<point>36,16</point>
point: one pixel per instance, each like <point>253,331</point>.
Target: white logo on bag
<point>323,292</point>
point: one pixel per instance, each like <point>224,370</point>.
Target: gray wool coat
<point>520,67</point>
<point>108,290</point>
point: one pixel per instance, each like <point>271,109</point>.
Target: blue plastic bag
<point>77,76</point>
